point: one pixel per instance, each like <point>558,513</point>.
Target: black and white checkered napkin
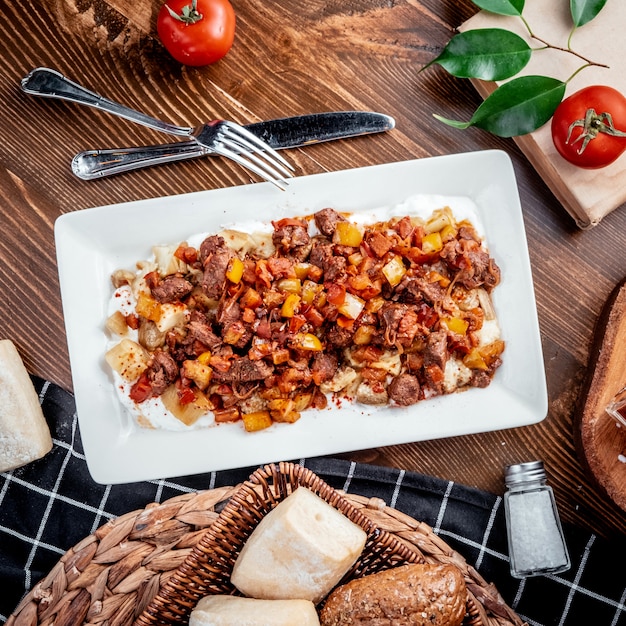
<point>49,506</point>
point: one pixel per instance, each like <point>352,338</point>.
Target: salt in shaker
<point>535,536</point>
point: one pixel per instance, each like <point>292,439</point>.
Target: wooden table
<point>288,58</point>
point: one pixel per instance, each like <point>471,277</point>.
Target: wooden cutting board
<point>587,195</point>
<point>601,442</point>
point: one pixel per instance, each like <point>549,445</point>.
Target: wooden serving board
<point>601,441</point>
<point>587,195</point>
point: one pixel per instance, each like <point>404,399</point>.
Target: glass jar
<point>535,537</point>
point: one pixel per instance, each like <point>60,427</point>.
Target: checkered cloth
<point>49,506</point>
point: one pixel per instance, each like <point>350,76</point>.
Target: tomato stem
<point>189,13</point>
<point>592,126</point>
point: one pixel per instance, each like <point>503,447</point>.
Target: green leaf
<point>501,7</point>
<point>485,53</point>
<point>584,11</point>
<point>517,107</point>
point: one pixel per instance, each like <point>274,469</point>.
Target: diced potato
<point>390,362</point>
<point>492,351</point>
<point>394,270</point>
<point>116,324</point>
<point>283,410</point>
<point>301,270</point>
<point>240,242</point>
<point>440,219</point>
<point>231,414</point>
<point>172,314</point>
<point>290,285</point>
<point>366,394</point>
<point>457,374</point>
<point>342,378</point>
<point>348,234</point>
<point>364,335</point>
<point>199,372</point>
<point>352,306</point>
<point>302,401</point>
<point>310,291</point>
<point>474,360</point>
<point>188,413</point>
<point>128,359</point>
<point>256,421</point>
<point>167,262</point>
<point>122,277</point>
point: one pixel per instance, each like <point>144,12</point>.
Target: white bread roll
<point>24,433</point>
<point>301,549</point>
<point>234,611</point>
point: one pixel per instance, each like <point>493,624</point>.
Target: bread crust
<point>410,595</point>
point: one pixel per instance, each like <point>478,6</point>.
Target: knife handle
<point>93,164</point>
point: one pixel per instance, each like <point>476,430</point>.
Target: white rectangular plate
<point>92,243</point>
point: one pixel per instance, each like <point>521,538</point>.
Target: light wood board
<point>587,195</point>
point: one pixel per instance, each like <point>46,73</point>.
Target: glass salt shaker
<point>535,537</point>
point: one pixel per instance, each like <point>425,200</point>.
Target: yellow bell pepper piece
<point>235,270</point>
<point>348,234</point>
<point>290,305</point>
<point>307,341</point>
<point>455,325</point>
<point>432,243</point>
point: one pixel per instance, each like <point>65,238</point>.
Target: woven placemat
<point>109,578</point>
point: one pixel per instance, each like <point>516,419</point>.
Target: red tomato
<point>197,32</point>
<point>589,127</point>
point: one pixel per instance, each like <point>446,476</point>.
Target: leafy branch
<point>522,104</point>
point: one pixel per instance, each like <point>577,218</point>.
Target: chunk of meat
<point>171,288</point>
<point>436,351</point>
<point>215,256</point>
<point>244,370</point>
<point>326,221</point>
<point>324,367</point>
<point>404,389</point>
<point>322,254</point>
<point>162,372</point>
<point>399,323</point>
<point>291,237</point>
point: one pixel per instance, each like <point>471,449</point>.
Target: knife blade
<point>280,134</point>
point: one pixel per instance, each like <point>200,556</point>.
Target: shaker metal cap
<point>523,472</point>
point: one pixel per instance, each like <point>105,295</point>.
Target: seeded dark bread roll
<point>415,595</point>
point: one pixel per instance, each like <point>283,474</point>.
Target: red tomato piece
<point>141,389</point>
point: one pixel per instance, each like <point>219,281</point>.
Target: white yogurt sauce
<point>152,412</point>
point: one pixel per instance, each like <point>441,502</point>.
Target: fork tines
<point>239,144</point>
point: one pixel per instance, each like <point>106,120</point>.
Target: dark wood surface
<point>288,58</point>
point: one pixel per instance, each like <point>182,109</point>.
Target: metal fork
<point>218,136</point>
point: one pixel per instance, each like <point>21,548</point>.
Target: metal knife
<point>288,132</point>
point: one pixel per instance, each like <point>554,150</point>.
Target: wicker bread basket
<point>150,567</point>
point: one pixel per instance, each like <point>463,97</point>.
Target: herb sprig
<point>523,103</point>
